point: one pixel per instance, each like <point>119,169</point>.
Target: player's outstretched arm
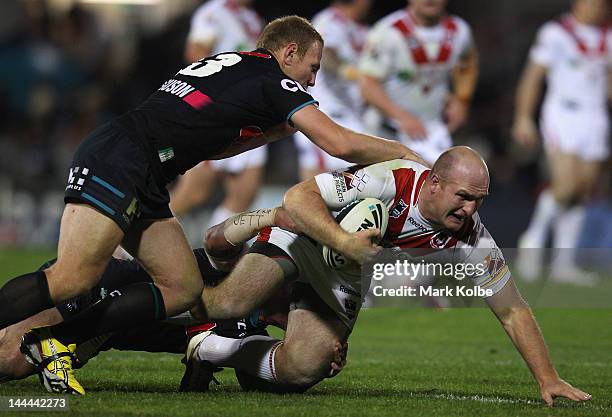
<point>519,323</point>
<point>308,210</point>
<point>346,144</point>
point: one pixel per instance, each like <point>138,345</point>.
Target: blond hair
<point>282,31</point>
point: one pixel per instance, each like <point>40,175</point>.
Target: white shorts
<point>340,290</point>
<point>581,132</point>
<point>311,157</point>
<point>251,159</point>
<point>437,141</point>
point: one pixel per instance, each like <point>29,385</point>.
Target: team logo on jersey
<point>76,178</point>
<point>355,177</point>
<point>398,209</point>
<point>440,239</point>
<point>494,262</point>
<point>250,132</point>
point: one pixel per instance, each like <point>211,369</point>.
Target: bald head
<point>455,188</point>
<point>462,164</point>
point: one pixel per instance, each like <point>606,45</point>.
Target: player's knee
<point>189,293</point>
<point>226,307</point>
<point>179,294</point>
<point>305,370</point>
<point>303,375</point>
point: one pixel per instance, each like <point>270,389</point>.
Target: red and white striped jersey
<point>398,184</point>
<point>578,58</point>
<point>413,62</point>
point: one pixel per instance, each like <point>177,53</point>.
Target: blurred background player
<point>336,88</point>
<point>573,54</point>
<point>409,57</point>
<point>219,26</point>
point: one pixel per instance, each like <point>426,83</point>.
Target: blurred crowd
<point>67,66</point>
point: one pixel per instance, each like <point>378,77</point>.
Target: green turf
<point>401,362</point>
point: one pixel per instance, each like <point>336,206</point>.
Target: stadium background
<point>67,66</point>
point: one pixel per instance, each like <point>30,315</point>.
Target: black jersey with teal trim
<point>215,108</point>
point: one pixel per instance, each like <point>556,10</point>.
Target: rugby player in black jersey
<point>116,189</point>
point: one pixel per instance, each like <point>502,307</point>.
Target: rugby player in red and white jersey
<point>573,54</point>
<point>218,26</point>
<point>337,88</point>
<point>428,209</point>
<point>409,58</point>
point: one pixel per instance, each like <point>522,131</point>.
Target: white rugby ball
<point>369,213</point>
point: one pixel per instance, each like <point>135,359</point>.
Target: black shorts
<point>113,174</point>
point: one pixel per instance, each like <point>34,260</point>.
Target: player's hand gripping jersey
<point>214,108</point>
<point>398,184</point>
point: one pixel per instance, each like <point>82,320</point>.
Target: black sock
<point>129,307</point>
<point>155,337</point>
<point>23,297</point>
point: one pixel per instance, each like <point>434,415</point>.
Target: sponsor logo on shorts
<point>72,306</point>
<point>76,178</point>
<point>131,212</point>
<point>351,308</point>
<point>350,291</point>
<point>165,154</point>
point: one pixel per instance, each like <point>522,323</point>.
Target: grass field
<point>401,362</point>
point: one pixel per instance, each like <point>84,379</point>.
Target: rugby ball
<point>368,213</point>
